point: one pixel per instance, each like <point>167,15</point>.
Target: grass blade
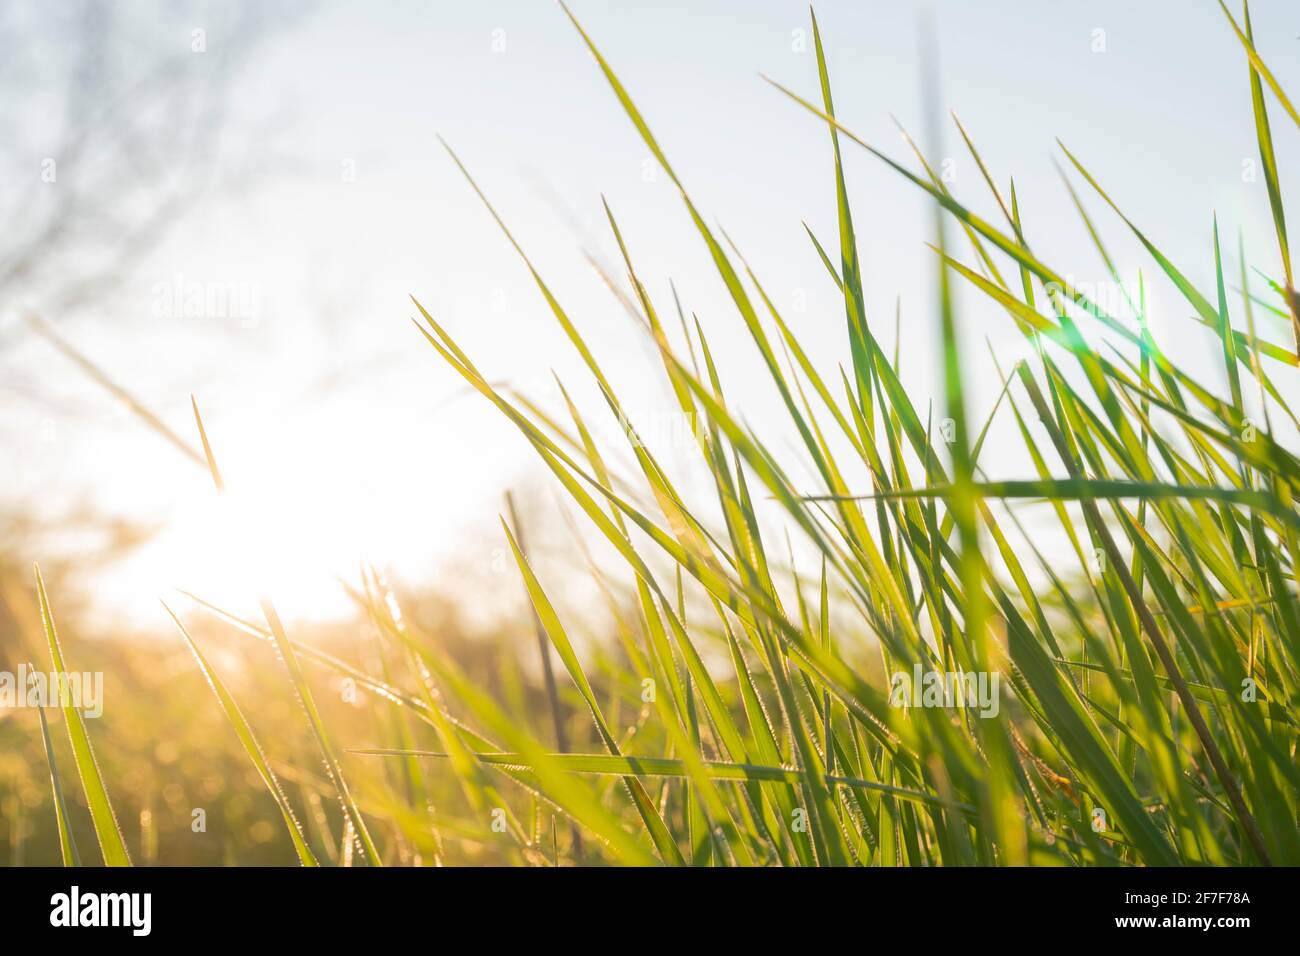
<point>67,845</point>
<point>254,750</point>
<point>107,831</point>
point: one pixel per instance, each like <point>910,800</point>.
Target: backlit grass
<point>739,712</point>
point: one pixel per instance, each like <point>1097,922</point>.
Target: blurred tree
<point>113,125</point>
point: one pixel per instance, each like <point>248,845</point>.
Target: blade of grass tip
<point>854,301</point>
<point>249,741</point>
<point>46,331</point>
<point>299,681</point>
<point>1268,158</point>
<point>1225,326</point>
<point>67,845</point>
<point>207,449</point>
<point>92,781</point>
<point>1255,365</point>
<point>1258,64</point>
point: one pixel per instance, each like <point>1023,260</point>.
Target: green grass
<point>250,744</point>
<point>739,711</point>
<point>107,831</point>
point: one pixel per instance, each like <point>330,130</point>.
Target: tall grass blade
<point>107,831</point>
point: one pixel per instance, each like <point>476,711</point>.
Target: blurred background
<point>235,201</point>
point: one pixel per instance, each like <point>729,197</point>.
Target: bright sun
<point>288,533</point>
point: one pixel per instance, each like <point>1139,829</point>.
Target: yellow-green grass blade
<point>1204,692</point>
<point>107,831</point>
<point>1225,325</point>
<point>998,808</point>
<point>1268,158</point>
<point>860,344</point>
<point>625,765</point>
<point>67,843</point>
<point>249,742</point>
<point>1083,489</point>
<point>1259,65</point>
<point>101,378</point>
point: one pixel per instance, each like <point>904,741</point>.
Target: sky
<point>349,440</point>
